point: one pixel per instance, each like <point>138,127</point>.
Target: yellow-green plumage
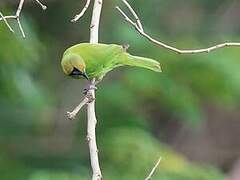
<point>95,60</point>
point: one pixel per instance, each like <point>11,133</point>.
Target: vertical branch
<point>94,27</point>
<point>91,138</point>
<point>92,121</point>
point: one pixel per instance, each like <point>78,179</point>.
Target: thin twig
<point>7,17</point>
<point>44,7</point>
<point>153,169</point>
<point>92,120</point>
<point>17,16</point>
<point>5,20</point>
<point>78,16</point>
<point>138,26</point>
<point>20,27</point>
<point>72,115</point>
<point>126,17</point>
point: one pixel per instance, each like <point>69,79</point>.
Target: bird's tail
<point>143,62</point>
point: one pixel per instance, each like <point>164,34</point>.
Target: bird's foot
<point>88,94</point>
<point>90,87</point>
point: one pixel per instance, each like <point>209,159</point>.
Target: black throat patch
<point>78,74</point>
<point>75,72</point>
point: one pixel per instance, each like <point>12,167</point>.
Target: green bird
<point>90,61</point>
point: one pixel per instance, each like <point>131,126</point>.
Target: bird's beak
<point>85,75</point>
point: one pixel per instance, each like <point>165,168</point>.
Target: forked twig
<point>6,22</point>
<point>44,7</point>
<point>138,26</point>
<point>17,16</point>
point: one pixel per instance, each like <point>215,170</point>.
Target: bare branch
<point>153,169</point>
<point>44,7</point>
<point>78,16</point>
<point>72,115</point>
<point>5,20</point>
<point>91,136</point>
<point>137,25</point>
<point>20,27</point>
<point>17,16</point>
<point>92,120</point>
<point>89,99</point>
<point>94,27</point>
<point>7,17</point>
<point>126,17</point>
<point>19,9</point>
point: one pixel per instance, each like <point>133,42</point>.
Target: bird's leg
<point>91,86</point>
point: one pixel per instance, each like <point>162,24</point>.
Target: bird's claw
<point>91,87</point>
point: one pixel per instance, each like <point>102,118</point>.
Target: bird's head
<point>73,65</point>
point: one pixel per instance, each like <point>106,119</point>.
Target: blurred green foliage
<point>130,153</point>
<point>19,58</point>
<point>36,141</point>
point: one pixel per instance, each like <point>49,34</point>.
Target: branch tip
<point>139,28</point>
<point>153,169</point>
<point>44,7</point>
<point>78,16</point>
